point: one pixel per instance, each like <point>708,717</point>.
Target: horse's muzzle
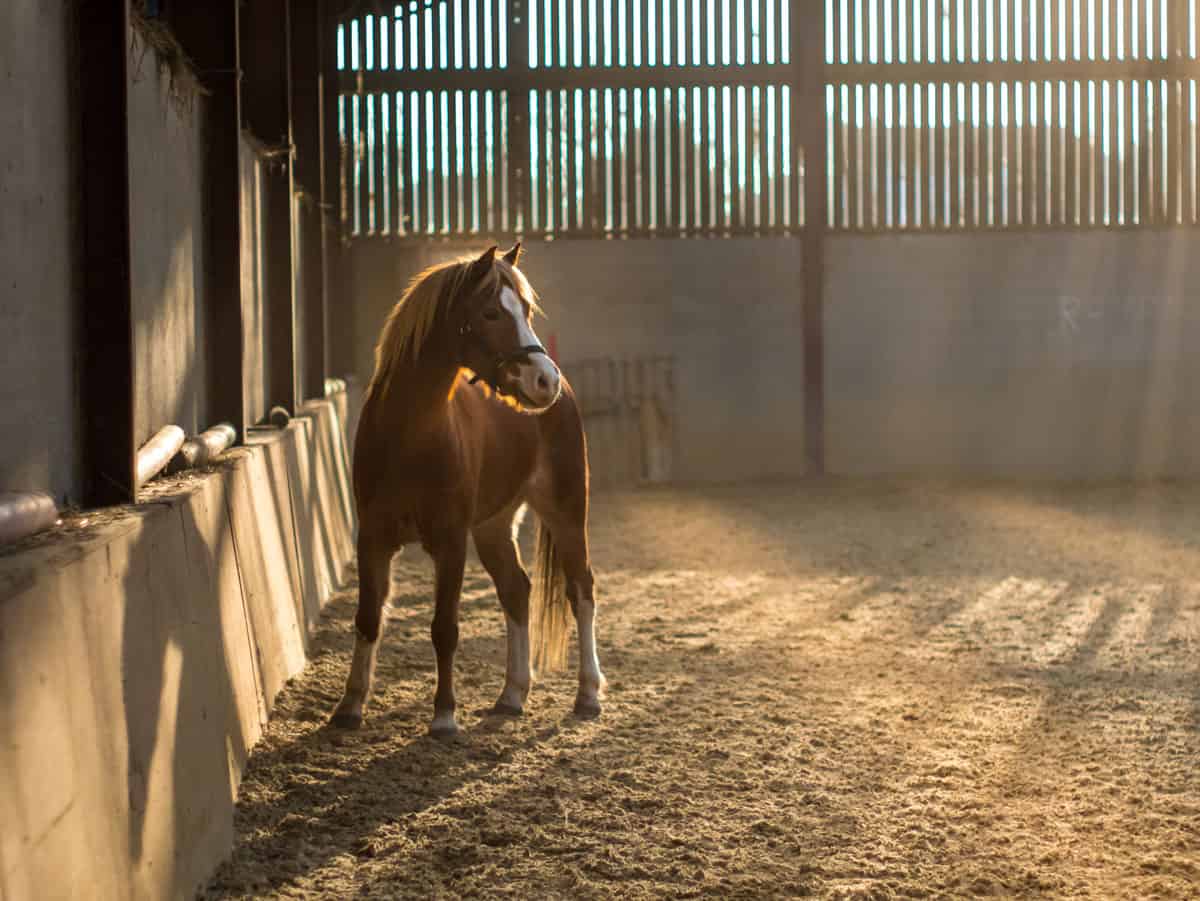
<point>537,382</point>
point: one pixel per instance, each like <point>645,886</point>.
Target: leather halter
<point>521,354</point>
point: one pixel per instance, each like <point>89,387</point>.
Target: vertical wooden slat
<point>1029,179</point>
<point>1175,121</point>
<point>644,173</point>
<point>499,24</point>
<point>605,191</point>
<point>1089,199</point>
<point>971,157</point>
<point>926,154</point>
<point>854,158</point>
<point>721,199</point>
<point>895,171</point>
<point>570,138</point>
<point>589,206</point>
<point>1101,174</point>
<point>1011,33</point>
<point>701,114</point>
<point>681,126</point>
<point>912,162</point>
<point>1191,186</point>
<point>744,106</point>
<point>1117,151</point>
<point>781,152</point>
<point>472,138</point>
<point>440,186</point>
<point>1126,44</point>
<point>881,172</point>
<point>551,177</point>
<point>807,40</point>
<point>1129,171</point>
<point>1145,156</point>
<point>1010,162</point>
<point>1052,145</point>
<point>1071,158</point>
<point>937,156</point>
<point>840,217</point>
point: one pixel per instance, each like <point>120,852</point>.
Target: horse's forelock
<point>514,278</point>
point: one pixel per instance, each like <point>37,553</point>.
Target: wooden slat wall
<point>1021,114</point>
<point>676,117</point>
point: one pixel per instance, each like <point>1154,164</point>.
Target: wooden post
<point>106,316</point>
<point>518,105</point>
<point>807,22</point>
<point>266,104</point>
<point>331,167</point>
<point>307,34</point>
<point>209,34</point>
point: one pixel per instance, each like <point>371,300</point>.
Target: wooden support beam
<point>307,32</point>
<point>209,34</point>
<point>807,22</point>
<point>106,314</point>
<point>265,37</point>
<point>518,111</point>
<point>331,166</point>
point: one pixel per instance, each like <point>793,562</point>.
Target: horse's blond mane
<point>430,293</point>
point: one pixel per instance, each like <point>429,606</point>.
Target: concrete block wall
<point>727,310</point>
<point>1045,355</point>
<point>141,650</point>
<point>169,247</point>
<point>39,253</point>
<point>1051,354</point>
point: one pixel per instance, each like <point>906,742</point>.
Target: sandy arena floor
<point>857,689</point>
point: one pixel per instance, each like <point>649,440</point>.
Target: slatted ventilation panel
<point>658,150</point>
<point>429,161</point>
<point>686,160</point>
<point>1083,113</point>
<point>649,33</point>
<point>425,162</point>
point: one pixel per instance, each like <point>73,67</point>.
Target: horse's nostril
<point>543,383</point>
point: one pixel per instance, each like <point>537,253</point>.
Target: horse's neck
<point>419,392</point>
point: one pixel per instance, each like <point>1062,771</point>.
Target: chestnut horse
<point>438,455</point>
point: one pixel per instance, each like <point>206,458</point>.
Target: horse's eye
<point>491,314</point>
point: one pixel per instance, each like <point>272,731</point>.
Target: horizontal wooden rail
<point>548,79</point>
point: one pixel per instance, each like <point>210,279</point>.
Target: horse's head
<point>498,342</point>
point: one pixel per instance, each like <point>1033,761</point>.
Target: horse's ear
<point>483,265</point>
<point>514,256</point>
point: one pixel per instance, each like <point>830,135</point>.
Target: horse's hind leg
<point>449,554</point>
<point>571,539</point>
<point>496,544</point>
<point>374,558</point>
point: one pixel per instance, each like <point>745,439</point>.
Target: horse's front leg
<point>449,558</point>
<point>375,550</point>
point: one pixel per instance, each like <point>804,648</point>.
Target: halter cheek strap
<point>521,354</point>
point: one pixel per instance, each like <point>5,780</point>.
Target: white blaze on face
<point>539,378</point>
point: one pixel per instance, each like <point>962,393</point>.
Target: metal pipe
<point>200,450</point>
<point>22,513</point>
<point>157,453</point>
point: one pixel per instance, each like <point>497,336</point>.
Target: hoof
<point>502,708</point>
<point>346,720</point>
<point>587,710</point>
<point>442,732</point>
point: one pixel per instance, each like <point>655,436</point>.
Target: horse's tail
<point>549,621</point>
